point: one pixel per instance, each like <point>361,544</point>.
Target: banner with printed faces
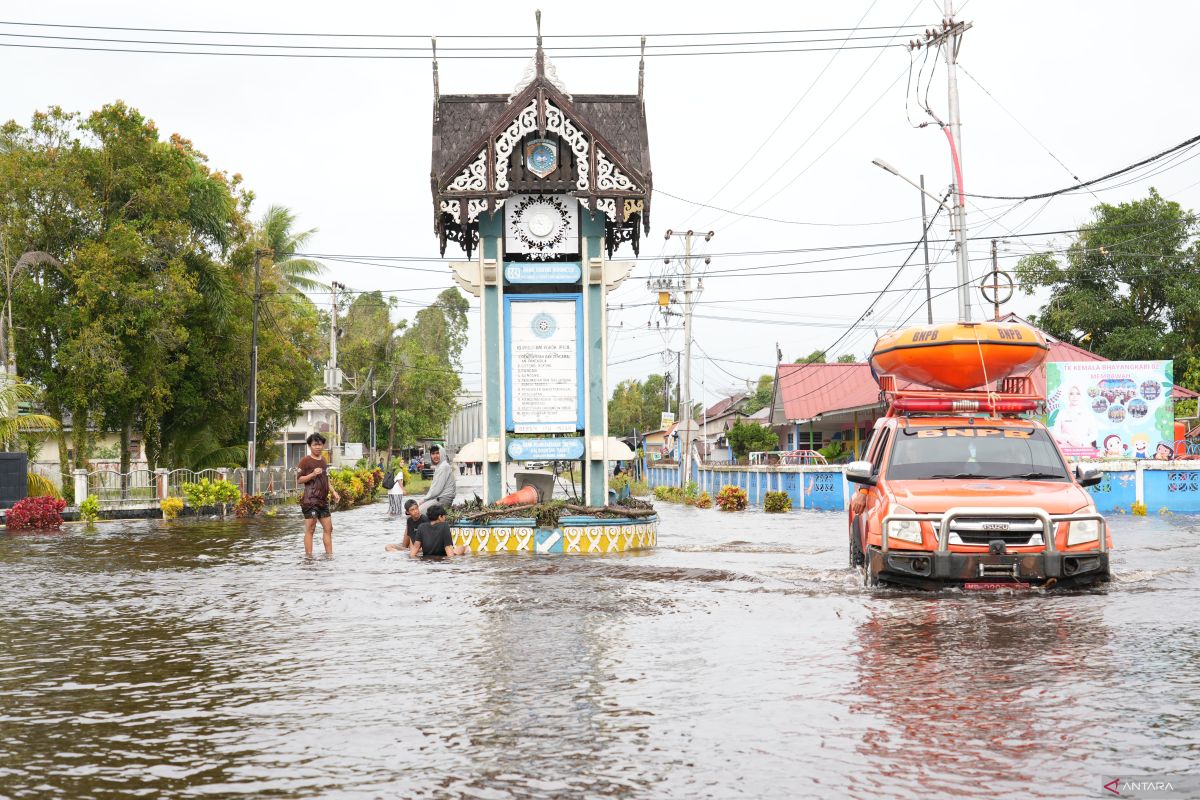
<point>1112,409</point>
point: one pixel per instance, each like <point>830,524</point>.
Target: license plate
<point>986,586</point>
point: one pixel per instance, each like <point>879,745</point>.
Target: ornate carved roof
<point>477,141</point>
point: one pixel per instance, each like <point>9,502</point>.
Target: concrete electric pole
<point>252,414</point>
<point>685,378</point>
<point>949,39</point>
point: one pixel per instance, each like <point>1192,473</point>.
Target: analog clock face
<point>541,157</point>
<point>541,226</point>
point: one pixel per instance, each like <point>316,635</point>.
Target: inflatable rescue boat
<point>958,356</point>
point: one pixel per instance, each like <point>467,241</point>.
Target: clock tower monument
<point>539,188</point>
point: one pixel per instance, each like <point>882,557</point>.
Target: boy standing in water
<point>314,500</point>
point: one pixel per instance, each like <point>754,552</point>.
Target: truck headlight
<point>1083,530</point>
<point>904,530</point>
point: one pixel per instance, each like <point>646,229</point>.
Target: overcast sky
<point>345,143</point>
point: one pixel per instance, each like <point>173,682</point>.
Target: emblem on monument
<point>541,157</point>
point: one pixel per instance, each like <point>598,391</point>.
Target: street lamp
<point>959,213</point>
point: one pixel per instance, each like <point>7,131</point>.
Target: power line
<point>450,36</point>
<point>1186,143</point>
<point>786,116</point>
<point>846,96</point>
<point>426,51</point>
<point>363,259</point>
<point>426,57</point>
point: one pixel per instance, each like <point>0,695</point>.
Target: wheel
<point>869,580</point>
<point>856,553</point>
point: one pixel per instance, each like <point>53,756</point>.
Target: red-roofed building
<point>816,404</point>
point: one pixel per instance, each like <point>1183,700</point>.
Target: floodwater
<point>740,659</point>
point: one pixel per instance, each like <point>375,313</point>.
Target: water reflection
<point>740,658</point>
<point>972,693</point>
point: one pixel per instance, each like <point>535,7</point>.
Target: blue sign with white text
<point>552,272</point>
<point>569,449</point>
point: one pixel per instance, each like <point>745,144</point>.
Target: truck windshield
<point>975,451</point>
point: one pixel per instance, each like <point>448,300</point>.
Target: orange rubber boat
<point>957,356</point>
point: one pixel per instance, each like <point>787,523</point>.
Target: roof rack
<point>1013,396</point>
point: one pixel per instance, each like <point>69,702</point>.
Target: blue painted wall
<point>1177,490</point>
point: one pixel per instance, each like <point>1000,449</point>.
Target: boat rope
<point>993,398</point>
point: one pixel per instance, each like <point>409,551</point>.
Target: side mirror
<point>1088,476</point>
<point>860,472</point>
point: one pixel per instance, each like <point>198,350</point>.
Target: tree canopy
<point>1127,287</point>
<point>137,318</point>
<point>637,405</point>
<point>749,437</point>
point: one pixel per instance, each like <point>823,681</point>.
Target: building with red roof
<point>816,404</point>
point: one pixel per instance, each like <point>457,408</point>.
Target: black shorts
<point>315,512</point>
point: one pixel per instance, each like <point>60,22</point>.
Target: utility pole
<point>331,381</point>
<point>925,242</point>
<point>954,32</point>
<point>995,283</point>
<point>373,401</point>
<point>252,421</point>
<point>949,38</point>
<point>685,377</point>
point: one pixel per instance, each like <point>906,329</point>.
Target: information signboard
<point>1112,409</point>
<point>544,379</point>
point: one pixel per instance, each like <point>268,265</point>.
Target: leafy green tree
<point>815,357</point>
<point>750,437</point>
<point>1128,286</point>
<point>138,318</point>
<point>762,395</point>
<point>15,421</point>
<point>847,358</point>
<point>275,232</point>
<point>637,405</point>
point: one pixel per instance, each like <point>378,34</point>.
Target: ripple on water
<point>742,657</point>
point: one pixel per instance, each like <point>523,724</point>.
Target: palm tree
<point>275,232</point>
<point>12,421</point>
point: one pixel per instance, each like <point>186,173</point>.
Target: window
<point>975,452</point>
<point>791,441</point>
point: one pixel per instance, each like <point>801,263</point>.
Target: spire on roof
<point>539,67</point>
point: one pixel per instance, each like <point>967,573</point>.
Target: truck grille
<point>1015,531</point>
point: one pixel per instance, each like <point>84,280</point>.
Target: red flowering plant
<point>36,514</point>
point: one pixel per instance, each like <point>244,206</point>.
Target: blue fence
<point>821,488</point>
<point>1170,485</point>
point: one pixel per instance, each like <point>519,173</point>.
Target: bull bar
<point>942,564</point>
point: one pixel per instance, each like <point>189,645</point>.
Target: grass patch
<point>417,485</point>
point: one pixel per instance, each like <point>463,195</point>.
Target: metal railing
<point>787,457</point>
<point>271,481</point>
<point>113,487</point>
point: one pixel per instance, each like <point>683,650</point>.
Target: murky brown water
<point>740,659</point>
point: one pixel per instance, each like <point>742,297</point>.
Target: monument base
<point>572,535</point>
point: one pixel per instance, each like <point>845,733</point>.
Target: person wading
<point>443,488</point>
<point>413,519</point>
<point>433,538</point>
<point>314,500</point>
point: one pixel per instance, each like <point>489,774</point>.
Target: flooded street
<point>739,659</point>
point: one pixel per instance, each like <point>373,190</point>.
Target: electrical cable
<point>1083,184</point>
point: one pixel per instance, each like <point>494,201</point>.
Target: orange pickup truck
<point>957,489</point>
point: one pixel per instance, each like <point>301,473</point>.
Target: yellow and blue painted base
<point>573,535</point>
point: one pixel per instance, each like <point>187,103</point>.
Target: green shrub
<point>89,509</point>
<point>171,507</point>
<point>251,505</point>
<point>211,493</point>
<point>732,498</point>
<point>41,486</point>
<point>670,494</point>
<point>777,502</point>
